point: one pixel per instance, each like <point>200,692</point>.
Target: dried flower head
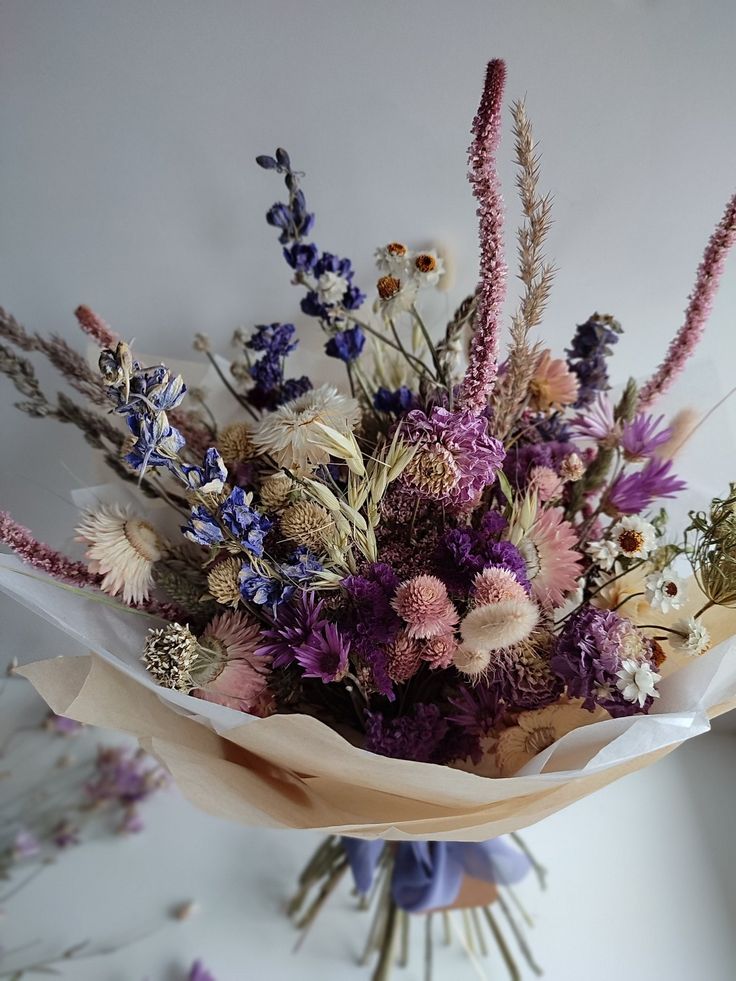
<point>692,637</point>
<point>714,549</point>
<point>223,583</point>
<point>170,654</point>
<point>494,585</point>
<point>432,471</point>
<point>545,483</point>
<point>276,491</point>
<point>572,468</point>
<point>634,537</point>
<point>307,523</point>
<point>497,625</point>
<point>122,548</point>
<point>423,603</point>
<point>404,655</point>
<point>439,652</point>
<point>471,663</point>
<point>553,384</point>
<point>235,443</point>
<point>388,286</point>
<point>536,731</point>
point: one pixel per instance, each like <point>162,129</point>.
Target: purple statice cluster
<point>422,734</point>
<point>588,656</point>
<point>274,342</point>
<point>588,353</point>
<point>396,402</point>
<point>302,634</point>
<point>371,621</point>
<point>523,457</point>
<point>465,551</point>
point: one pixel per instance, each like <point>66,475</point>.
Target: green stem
<point>430,344</point>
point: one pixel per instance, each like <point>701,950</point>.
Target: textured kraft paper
<point>293,771</point>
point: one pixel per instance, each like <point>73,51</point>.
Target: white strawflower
<point>665,591</point>
<point>331,288</point>
<point>395,296</point>
<point>634,537</point>
<point>393,259</point>
<point>122,548</point>
<point>636,681</point>
<point>428,268</point>
<point>695,638</point>
<point>291,434</point>
<point>497,625</point>
<point>603,553</point>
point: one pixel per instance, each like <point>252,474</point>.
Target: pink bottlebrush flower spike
<point>698,310</point>
<point>483,359</point>
<point>43,557</point>
<point>95,327</point>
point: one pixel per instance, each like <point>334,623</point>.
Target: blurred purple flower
<point>641,437</point>
<point>198,972</point>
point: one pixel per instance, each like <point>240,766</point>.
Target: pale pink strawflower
<point>698,310</point>
<point>497,625</point>
<point>228,670</point>
<point>552,560</point>
<point>95,327</point>
<point>439,652</point>
<point>423,603</point>
<point>483,359</point>
<point>494,585</point>
<point>553,384</point>
<point>547,484</point>
<point>404,656</point>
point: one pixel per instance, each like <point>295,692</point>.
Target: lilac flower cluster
<point>588,654</point>
<point>523,457</point>
<point>465,551</point>
<point>271,389</point>
<point>587,354</point>
<point>370,620</point>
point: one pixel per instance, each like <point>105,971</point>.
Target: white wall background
<point>127,182</point>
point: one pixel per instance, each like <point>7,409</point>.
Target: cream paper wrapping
<point>293,771</point>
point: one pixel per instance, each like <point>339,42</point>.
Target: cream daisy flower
<point>603,553</point>
<point>695,638</point>
<point>292,435</point>
<point>665,591</point>
<point>634,537</point>
<point>428,268</point>
<point>395,296</point>
<point>636,681</point>
<point>537,730</point>
<point>393,259</point>
<point>122,548</point>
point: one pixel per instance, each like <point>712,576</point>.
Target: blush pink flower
<point>228,670</point>
<point>439,651</point>
<point>404,655</point>
<point>547,484</point>
<point>494,585</point>
<point>551,558</point>
<point>423,604</point>
<point>553,384</point>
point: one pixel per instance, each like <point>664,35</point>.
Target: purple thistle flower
<point>325,654</point>
<point>293,626</point>
<point>346,344</point>
<point>641,437</point>
<point>633,493</point>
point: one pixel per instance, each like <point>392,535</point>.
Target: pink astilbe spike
<point>698,310</point>
<point>43,557</point>
<point>483,359</point>
<point>95,327</point>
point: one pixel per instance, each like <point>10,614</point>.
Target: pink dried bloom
<point>43,557</point>
<point>439,652</point>
<point>552,560</point>
<point>95,327</point>
<point>483,360</point>
<point>233,675</point>
<point>546,483</point>
<point>553,384</point>
<point>698,310</point>
<point>423,603</point>
<point>404,656</point>
<point>494,585</point>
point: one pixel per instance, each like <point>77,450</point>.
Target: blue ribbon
<point>428,874</point>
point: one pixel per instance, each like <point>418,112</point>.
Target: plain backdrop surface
<point>127,182</point>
